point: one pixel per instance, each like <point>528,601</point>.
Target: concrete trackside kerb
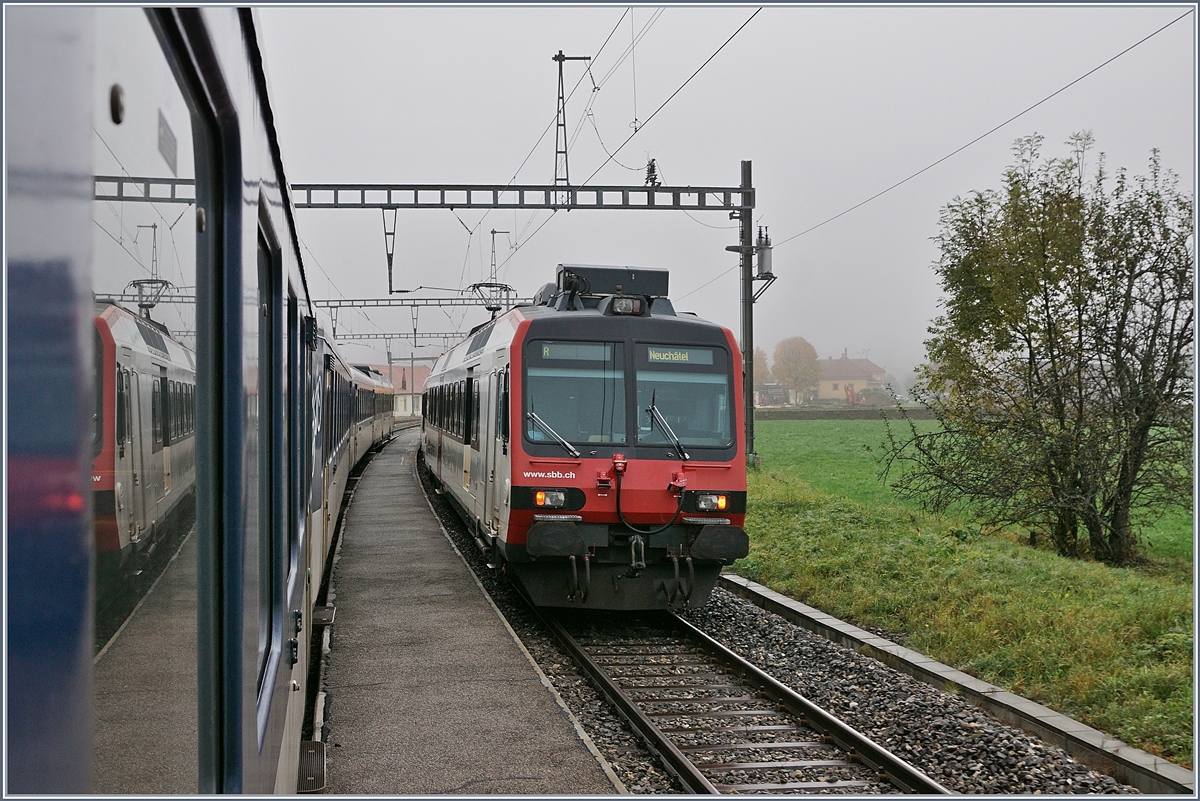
<point>1097,750</point>
<point>617,784</point>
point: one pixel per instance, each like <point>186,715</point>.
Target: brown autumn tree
<point>795,365</point>
<point>762,373</point>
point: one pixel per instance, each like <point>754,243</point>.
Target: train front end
<point>628,479</point>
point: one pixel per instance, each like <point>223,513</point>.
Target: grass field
<point>1111,647</point>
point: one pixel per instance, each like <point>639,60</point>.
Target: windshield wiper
<point>662,421</point>
<point>546,427</point>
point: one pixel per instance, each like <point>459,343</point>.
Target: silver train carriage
<point>142,154</point>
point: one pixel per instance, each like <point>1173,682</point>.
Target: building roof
<point>848,369</point>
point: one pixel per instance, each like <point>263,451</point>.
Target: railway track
<point>718,723</point>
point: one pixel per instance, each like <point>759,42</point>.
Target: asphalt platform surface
<point>427,690</point>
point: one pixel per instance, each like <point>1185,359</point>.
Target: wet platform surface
<point>144,691</point>
<point>427,691</point>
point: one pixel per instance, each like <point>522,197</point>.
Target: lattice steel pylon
<point>561,175</point>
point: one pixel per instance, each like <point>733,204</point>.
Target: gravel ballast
<point>953,742</point>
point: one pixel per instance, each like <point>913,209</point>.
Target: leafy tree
<point>762,373</point>
<point>1062,368</point>
<point>795,365</point>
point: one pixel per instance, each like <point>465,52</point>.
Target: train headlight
<point>549,499</point>
<point>626,306</point>
<point>710,503</point>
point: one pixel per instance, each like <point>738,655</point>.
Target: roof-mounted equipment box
<point>593,280</point>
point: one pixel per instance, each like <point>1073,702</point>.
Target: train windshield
<point>577,389</point>
<point>690,387</point>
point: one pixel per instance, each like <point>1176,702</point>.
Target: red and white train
<point>593,443</point>
<point>144,441</point>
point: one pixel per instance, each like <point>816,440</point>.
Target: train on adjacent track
<point>593,443</point>
<point>142,152</point>
<point>144,449</point>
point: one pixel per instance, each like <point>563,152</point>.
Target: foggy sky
<point>831,105</point>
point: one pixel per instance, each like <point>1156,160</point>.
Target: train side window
<point>172,411</point>
<point>475,414</point>
<point>162,124</point>
<point>298,424</point>
<point>156,413</point>
<point>272,464</point>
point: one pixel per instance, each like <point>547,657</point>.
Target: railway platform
<point>426,688</point>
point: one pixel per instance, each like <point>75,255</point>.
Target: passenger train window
<point>690,387</point>
<point>271,460</point>
<point>144,279</point>
<point>576,390</point>
<point>156,413</point>
<point>475,414</point>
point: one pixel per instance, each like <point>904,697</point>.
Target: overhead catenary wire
<point>658,165</point>
<point>673,94</point>
<point>983,135</point>
<point>959,150</point>
<point>532,150</point>
<point>647,122</point>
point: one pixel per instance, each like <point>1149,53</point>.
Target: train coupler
<point>637,554</point>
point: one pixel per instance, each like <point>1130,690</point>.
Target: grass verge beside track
<point>1111,647</point>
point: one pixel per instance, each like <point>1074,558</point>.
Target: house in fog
<point>844,378</point>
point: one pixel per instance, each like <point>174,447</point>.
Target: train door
<point>168,415</point>
<point>154,490</point>
<point>499,448</point>
<point>141,458</point>
<point>490,435</point>
<point>467,426</point>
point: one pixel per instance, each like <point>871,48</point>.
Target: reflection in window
<point>144,501</point>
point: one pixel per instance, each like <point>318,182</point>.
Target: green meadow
<point>1111,647</point>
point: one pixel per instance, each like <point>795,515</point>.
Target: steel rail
<point>673,759</point>
<point>886,765</point>
<point>864,749</point>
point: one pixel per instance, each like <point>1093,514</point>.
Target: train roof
<point>582,296</point>
<point>143,334</point>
